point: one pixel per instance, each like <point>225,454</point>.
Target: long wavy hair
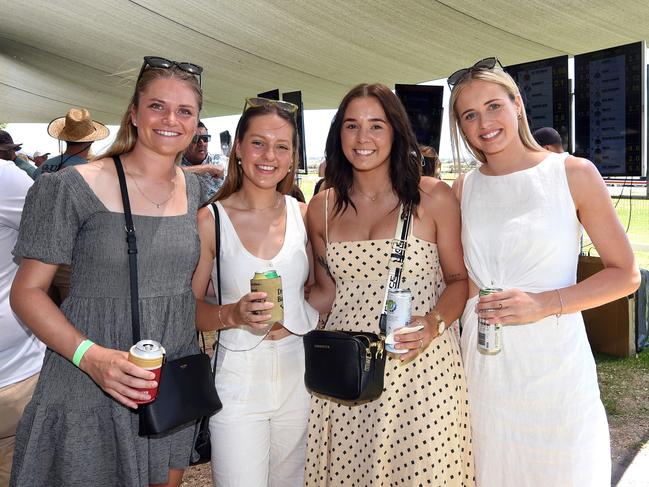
<point>405,165</point>
<point>501,78</point>
<point>127,134</point>
<point>234,179</point>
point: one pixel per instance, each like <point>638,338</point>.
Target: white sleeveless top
<point>291,263</point>
<point>521,230</point>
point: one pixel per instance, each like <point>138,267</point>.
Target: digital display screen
<point>295,97</point>
<point>545,89</point>
<point>609,100</point>
<point>424,105</point>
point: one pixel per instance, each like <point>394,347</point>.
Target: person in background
<point>78,130</point>
<point>549,139</point>
<point>536,414</point>
<point>430,163</point>
<point>259,437</point>
<point>81,426</point>
<point>198,160</point>
<point>21,353</point>
<point>39,158</point>
<point>418,431</point>
<point>8,153</point>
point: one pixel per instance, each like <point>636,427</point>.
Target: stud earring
<point>239,160</point>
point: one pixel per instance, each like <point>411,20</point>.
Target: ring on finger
<point>421,343</point>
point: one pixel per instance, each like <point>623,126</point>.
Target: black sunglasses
<point>160,62</point>
<point>484,64</point>
<point>205,138</point>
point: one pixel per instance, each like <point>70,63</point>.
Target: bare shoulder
<point>205,221</point>
<point>315,214</point>
<point>458,184</point>
<point>434,191</point>
<point>95,168</point>
<point>303,208</point>
<point>584,179</point>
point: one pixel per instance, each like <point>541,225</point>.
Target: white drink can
<point>398,314</point>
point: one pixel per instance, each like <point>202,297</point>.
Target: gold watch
<point>441,324</point>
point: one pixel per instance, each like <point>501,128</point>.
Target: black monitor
<point>609,109</point>
<point>271,95</point>
<point>424,105</point>
<point>545,89</point>
<point>295,97</point>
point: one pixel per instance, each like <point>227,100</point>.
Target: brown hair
<point>127,134</point>
<point>234,179</point>
<point>405,171</point>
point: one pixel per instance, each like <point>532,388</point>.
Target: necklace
<point>157,205</point>
<point>274,206</point>
<point>372,198</point>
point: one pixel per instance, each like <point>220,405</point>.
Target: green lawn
<point>637,227</point>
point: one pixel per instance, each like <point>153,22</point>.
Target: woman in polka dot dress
<point>417,432</point>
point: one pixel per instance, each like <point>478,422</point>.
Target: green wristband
<point>81,350</point>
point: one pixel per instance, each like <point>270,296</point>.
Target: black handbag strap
<point>132,250</point>
<point>397,256</point>
<point>217,260</point>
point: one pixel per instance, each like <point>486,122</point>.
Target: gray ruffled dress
<point>72,433</point>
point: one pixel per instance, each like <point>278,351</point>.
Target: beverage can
<point>269,282</point>
<point>490,340</point>
<point>398,314</point>
<point>149,355</point>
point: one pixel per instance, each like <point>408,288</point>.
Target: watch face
<point>441,326</point>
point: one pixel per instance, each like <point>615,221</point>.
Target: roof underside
<point>53,57</point>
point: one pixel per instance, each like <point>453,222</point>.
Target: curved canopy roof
<point>55,55</point>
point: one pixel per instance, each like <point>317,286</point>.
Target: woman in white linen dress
<point>537,417</point>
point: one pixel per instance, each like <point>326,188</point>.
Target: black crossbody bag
<point>349,365</point>
<point>186,390</point>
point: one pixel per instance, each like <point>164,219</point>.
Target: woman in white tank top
<point>259,437</point>
<point>537,418</point>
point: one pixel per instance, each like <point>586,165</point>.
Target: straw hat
<point>77,126</point>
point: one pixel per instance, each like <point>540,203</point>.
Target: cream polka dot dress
<point>418,431</point>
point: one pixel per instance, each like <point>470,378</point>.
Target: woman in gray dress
<point>81,427</point>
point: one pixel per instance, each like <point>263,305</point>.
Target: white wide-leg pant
<point>259,437</point>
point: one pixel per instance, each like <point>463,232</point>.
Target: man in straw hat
<point>78,130</point>
<point>8,153</point>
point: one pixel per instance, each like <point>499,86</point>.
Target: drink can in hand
<point>270,283</point>
<point>398,313</point>
<point>490,337</point>
<point>149,355</point>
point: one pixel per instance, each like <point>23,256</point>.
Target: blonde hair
<point>498,77</point>
<point>127,134</point>
<point>234,179</point>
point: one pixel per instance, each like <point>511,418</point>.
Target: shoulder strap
<point>397,256</point>
<point>217,260</point>
<point>327,215</point>
<point>132,249</point>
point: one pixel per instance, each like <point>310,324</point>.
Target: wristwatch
<point>441,325</point>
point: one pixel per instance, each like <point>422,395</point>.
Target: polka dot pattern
<point>418,431</point>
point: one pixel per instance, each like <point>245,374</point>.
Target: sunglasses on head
<point>487,63</point>
<point>257,102</point>
<point>205,138</point>
<point>162,63</point>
